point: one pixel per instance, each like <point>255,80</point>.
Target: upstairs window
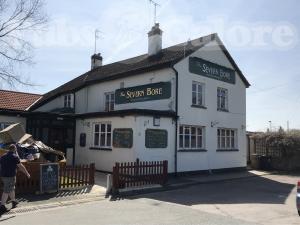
<point>68,101</point>
<point>109,101</point>
<point>222,96</point>
<point>227,139</point>
<point>197,94</point>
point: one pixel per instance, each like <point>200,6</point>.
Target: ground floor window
<point>191,137</point>
<point>102,135</point>
<point>227,138</point>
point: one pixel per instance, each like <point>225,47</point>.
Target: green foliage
<point>287,142</point>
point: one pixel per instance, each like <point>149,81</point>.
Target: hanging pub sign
<point>211,70</point>
<point>148,92</point>
<point>49,177</point>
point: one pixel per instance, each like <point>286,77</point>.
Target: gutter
<point>176,122</point>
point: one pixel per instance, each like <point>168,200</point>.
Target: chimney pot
<point>96,60</point>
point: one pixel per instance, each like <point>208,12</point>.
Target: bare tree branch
<point>18,18</point>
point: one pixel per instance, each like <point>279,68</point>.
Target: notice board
<point>122,138</point>
<point>156,138</point>
<point>49,177</point>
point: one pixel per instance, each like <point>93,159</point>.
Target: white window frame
<point>68,101</point>
<point>197,93</point>
<point>109,103</point>
<point>107,141</point>
<point>227,138</point>
<point>221,98</point>
<point>186,130</point>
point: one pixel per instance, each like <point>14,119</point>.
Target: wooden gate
<point>139,173</point>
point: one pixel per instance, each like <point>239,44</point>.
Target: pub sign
<point>142,93</point>
<point>208,69</point>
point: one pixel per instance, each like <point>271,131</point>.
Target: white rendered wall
<point>155,154</point>
<point>235,118</point>
<point>105,160</point>
<point>13,119</point>
<point>92,98</point>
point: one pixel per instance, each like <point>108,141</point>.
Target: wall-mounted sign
<point>122,138</point>
<point>49,175</point>
<point>156,138</point>
<point>211,70</point>
<point>148,92</point>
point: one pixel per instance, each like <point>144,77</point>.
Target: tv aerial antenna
<point>97,36</point>
<point>155,4</point>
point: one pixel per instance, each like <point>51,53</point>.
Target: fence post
<point>115,187</point>
<point>165,171</point>
<point>92,174</point>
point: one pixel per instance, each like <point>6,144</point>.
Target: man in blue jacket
<point>9,163</point>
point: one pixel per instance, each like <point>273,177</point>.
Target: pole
<point>270,123</point>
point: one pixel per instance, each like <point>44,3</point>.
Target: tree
<point>18,20</point>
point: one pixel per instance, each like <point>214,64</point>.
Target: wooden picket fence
<point>139,173</point>
<point>70,177</point>
<point>78,176</point>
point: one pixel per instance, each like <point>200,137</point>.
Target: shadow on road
<point>237,191</point>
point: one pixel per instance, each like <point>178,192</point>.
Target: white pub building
<point>185,104</point>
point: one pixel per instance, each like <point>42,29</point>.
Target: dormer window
<point>68,101</point>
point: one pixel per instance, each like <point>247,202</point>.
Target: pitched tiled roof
<point>20,101</point>
<point>132,66</point>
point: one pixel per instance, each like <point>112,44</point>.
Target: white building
<point>185,104</point>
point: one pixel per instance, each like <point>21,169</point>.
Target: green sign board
<point>148,92</point>
<point>211,70</point>
<point>156,138</point>
<point>122,138</point>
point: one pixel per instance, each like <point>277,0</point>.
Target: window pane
<point>227,142</point>
<point>187,141</point>
<point>180,141</point>
<point>232,133</point>
<point>223,132</point>
<point>222,142</point>
<point>108,139</point>
<point>218,132</point>
<point>219,142</point>
<point>108,127</point>
<point>232,143</point>
<point>102,127</point>
<point>193,129</point>
<point>193,141</point>
<point>102,139</point>
<point>181,130</point>
<point>194,100</point>
<point>96,139</point>
<point>199,131</point>
<point>199,142</point>
<point>228,133</point>
<point>96,127</point>
<point>194,87</point>
<point>187,130</point>
<point>200,98</point>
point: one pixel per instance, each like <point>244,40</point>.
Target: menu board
<point>122,138</point>
<point>156,138</point>
<point>49,176</point>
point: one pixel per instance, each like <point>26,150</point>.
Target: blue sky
<point>269,60</point>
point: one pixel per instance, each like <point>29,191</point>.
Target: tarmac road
<point>138,211</point>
